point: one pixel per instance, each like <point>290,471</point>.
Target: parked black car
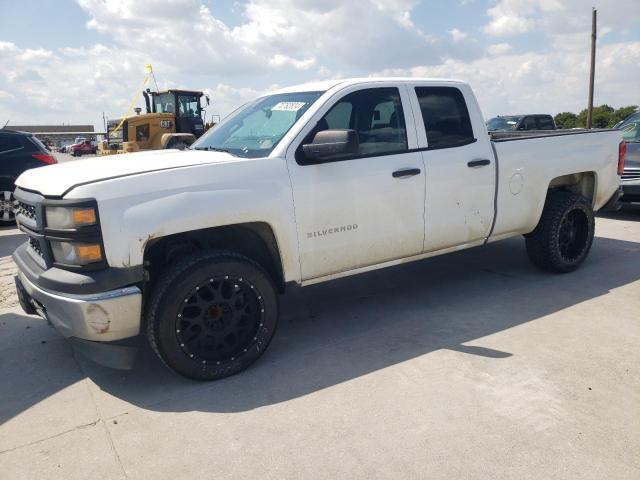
<point>521,122</point>
<point>19,151</point>
<point>630,128</point>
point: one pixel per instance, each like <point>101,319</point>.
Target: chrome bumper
<point>102,317</point>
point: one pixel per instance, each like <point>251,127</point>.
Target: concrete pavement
<point>470,365</point>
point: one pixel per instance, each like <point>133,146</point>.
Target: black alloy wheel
<point>219,319</point>
<point>563,237</point>
<point>212,314</point>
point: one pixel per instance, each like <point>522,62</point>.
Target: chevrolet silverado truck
<point>310,183</point>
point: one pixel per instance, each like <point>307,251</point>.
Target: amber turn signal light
<point>84,216</point>
<point>89,253</point>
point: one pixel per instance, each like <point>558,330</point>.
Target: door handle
<point>481,162</point>
<point>407,172</point>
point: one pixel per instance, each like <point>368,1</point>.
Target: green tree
<point>602,117</point>
<point>566,120</point>
<point>622,113</point>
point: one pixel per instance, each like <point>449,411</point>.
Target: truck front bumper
<point>102,325</point>
<point>99,317</point>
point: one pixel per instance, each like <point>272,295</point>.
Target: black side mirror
<point>331,145</point>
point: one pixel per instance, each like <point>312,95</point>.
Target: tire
<point>7,203</point>
<point>563,237</point>
<point>212,314</point>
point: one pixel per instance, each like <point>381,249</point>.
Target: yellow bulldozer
<point>173,119</point>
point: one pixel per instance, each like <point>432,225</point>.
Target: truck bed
<point>524,134</point>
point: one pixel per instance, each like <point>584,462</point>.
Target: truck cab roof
<point>325,85</point>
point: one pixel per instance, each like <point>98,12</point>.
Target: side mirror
<point>332,144</point>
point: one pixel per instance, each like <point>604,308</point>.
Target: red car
<point>84,148</point>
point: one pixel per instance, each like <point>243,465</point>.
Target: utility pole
<point>594,20</point>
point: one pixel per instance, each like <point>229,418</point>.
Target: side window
<point>529,123</point>
<point>445,116</point>
<point>142,133</point>
<point>544,123</point>
<point>7,142</point>
<point>339,117</point>
<point>375,114</point>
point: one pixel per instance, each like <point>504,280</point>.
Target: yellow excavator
<point>173,119</point>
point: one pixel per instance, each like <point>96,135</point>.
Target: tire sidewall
<point>558,260</point>
<point>181,286</point>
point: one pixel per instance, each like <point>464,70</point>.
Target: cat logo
<point>165,123</point>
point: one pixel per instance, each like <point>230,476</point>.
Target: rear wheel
<point>212,315</point>
<point>7,203</point>
<point>564,235</point>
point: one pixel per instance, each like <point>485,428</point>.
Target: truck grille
<point>34,243</point>
<point>28,211</point>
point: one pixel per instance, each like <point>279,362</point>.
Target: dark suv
<point>19,151</point>
<point>521,122</point>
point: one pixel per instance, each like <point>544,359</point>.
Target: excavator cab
<point>184,104</point>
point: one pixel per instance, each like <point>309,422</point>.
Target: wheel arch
<point>581,183</point>
<point>255,240</point>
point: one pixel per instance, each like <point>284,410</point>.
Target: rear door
<point>367,208</point>
<point>460,170</point>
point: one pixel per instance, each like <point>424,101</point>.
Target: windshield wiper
<point>215,149</point>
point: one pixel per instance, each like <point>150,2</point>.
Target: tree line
<point>604,116</point>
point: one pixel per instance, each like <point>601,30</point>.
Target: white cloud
<point>499,49</point>
<point>293,41</point>
<point>559,17</point>
<point>458,35</point>
<point>544,82</point>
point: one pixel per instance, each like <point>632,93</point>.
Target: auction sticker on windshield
<point>288,106</point>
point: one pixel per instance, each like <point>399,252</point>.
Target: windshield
<point>188,106</point>
<point>502,123</point>
<point>255,129</point>
<point>163,103</point>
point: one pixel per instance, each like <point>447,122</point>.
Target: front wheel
<point>212,315</point>
<point>564,235</point>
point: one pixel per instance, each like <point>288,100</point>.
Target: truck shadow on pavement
<point>331,333</point>
<point>10,242</point>
<point>627,212</point>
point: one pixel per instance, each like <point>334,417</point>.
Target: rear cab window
<point>446,118</point>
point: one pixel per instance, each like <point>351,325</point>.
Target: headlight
<point>68,253</point>
<point>70,217</point>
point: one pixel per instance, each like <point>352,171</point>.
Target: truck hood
<point>56,180</point>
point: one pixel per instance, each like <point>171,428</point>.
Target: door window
<point>375,114</point>
<point>142,133</point>
<point>529,123</point>
<point>445,116</point>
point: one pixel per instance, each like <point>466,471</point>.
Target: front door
<point>364,209</point>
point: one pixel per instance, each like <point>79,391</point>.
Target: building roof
<point>52,128</point>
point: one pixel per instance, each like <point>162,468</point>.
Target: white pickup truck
<point>300,186</point>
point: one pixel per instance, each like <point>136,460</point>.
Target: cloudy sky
<point>68,61</point>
